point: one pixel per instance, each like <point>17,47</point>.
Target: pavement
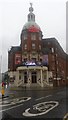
<point>12,91</point>
<point>29,88</point>
<point>32,87</point>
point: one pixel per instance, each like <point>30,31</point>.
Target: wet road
<point>45,103</point>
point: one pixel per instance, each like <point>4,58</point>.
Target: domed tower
<point>31,39</point>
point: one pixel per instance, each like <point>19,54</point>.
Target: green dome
<point>30,24</point>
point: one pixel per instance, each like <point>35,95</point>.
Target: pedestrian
<point>2,92</point>
<point>2,84</point>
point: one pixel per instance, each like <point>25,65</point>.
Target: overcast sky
<point>50,16</point>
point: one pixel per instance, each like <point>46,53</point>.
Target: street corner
<point>65,116</point>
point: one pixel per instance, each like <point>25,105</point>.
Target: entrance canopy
<point>32,68</point>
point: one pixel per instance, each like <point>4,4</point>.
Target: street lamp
<point>55,70</point>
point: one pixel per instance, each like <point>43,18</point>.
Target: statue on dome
<point>31,8</point>
<point>31,4</point>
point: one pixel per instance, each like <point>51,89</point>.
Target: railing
<point>39,82</point>
<point>47,83</point>
<point>19,83</point>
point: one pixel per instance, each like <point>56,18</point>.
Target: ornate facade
<point>36,60</point>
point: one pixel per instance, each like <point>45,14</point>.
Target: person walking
<point>2,92</point>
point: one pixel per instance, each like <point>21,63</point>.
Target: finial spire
<point>31,4</point>
<point>31,16</point>
<point>31,8</point>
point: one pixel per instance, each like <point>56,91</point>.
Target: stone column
<point>22,77</point>
<point>27,76</point>
<point>30,77</point>
<point>47,76</point>
<point>41,79</point>
<point>17,78</point>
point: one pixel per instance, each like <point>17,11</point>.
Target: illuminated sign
<point>30,63</point>
<point>33,29</point>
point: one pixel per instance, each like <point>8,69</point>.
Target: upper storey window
<point>40,35</point>
<point>40,47</point>
<point>33,36</point>
<point>24,35</point>
<point>33,46</point>
<point>52,50</point>
<point>25,46</point>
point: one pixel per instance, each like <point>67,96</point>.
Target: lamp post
<point>55,66</point>
<point>55,71</point>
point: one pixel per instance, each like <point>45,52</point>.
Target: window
<point>33,46</point>
<point>48,43</point>
<point>53,58</point>
<point>56,55</point>
<point>53,67</point>
<point>52,50</point>
<point>25,59</point>
<point>33,36</point>
<point>25,35</point>
<point>57,69</point>
<point>57,62</point>
<point>25,46</point>
<point>40,47</point>
<point>39,35</point>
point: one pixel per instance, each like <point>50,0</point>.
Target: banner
<point>17,58</point>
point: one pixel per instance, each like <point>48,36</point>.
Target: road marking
<point>11,108</point>
<point>42,110</point>
<point>43,97</point>
<point>14,101</point>
<point>66,117</point>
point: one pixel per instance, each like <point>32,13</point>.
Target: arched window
<point>33,45</point>
<point>40,36</point>
<point>33,36</point>
<point>24,35</point>
<point>40,47</point>
<point>25,46</point>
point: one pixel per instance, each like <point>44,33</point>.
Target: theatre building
<point>36,61</point>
